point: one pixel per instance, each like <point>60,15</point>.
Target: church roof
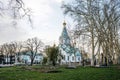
<point>70,50</point>
<point>65,33</point>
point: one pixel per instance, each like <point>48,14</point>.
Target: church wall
<point>72,58</point>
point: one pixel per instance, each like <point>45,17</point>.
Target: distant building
<point>70,53</point>
<point>7,59</point>
<point>24,57</point>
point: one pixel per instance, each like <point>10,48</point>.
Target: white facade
<point>70,58</point>
<point>25,58</point>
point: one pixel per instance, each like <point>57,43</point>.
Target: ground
<point>80,73</point>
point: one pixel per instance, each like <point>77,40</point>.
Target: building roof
<point>64,34</point>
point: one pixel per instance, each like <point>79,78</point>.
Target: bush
<point>44,60</point>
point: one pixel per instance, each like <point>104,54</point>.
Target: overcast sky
<point>47,17</point>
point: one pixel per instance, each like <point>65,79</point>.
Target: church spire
<point>64,38</point>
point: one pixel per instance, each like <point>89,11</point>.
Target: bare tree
<point>82,10</point>
<point>15,9</point>
<point>1,54</point>
<point>33,45</point>
<point>99,20</point>
<point>1,50</point>
<point>6,52</point>
<point>9,50</point>
<point>17,47</point>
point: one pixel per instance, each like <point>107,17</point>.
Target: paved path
<point>6,65</point>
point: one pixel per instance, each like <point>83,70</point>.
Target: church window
<point>36,57</point>
<point>64,57</point>
<point>68,58</point>
<point>72,58</point>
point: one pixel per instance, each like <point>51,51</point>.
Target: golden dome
<point>64,23</point>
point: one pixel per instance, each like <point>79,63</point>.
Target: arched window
<point>64,57</point>
<point>68,58</point>
<point>78,58</point>
<point>73,58</point>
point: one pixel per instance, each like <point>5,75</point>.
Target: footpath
<point>6,65</point>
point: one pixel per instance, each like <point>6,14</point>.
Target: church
<point>70,54</point>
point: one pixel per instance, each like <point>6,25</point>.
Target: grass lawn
<point>80,73</point>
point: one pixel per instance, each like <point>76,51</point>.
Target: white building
<point>25,58</point>
<point>70,53</point>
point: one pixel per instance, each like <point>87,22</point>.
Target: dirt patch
<point>53,71</point>
<point>43,69</point>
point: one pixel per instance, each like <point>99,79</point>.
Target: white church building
<point>70,53</point>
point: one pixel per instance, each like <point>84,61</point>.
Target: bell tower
<point>64,38</point>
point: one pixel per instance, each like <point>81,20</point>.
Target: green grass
<point>80,73</point>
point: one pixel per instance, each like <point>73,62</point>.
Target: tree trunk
<point>53,62</point>
<point>92,60</point>
<point>7,59</point>
<point>32,62</point>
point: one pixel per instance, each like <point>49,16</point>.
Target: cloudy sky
<point>47,17</point>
